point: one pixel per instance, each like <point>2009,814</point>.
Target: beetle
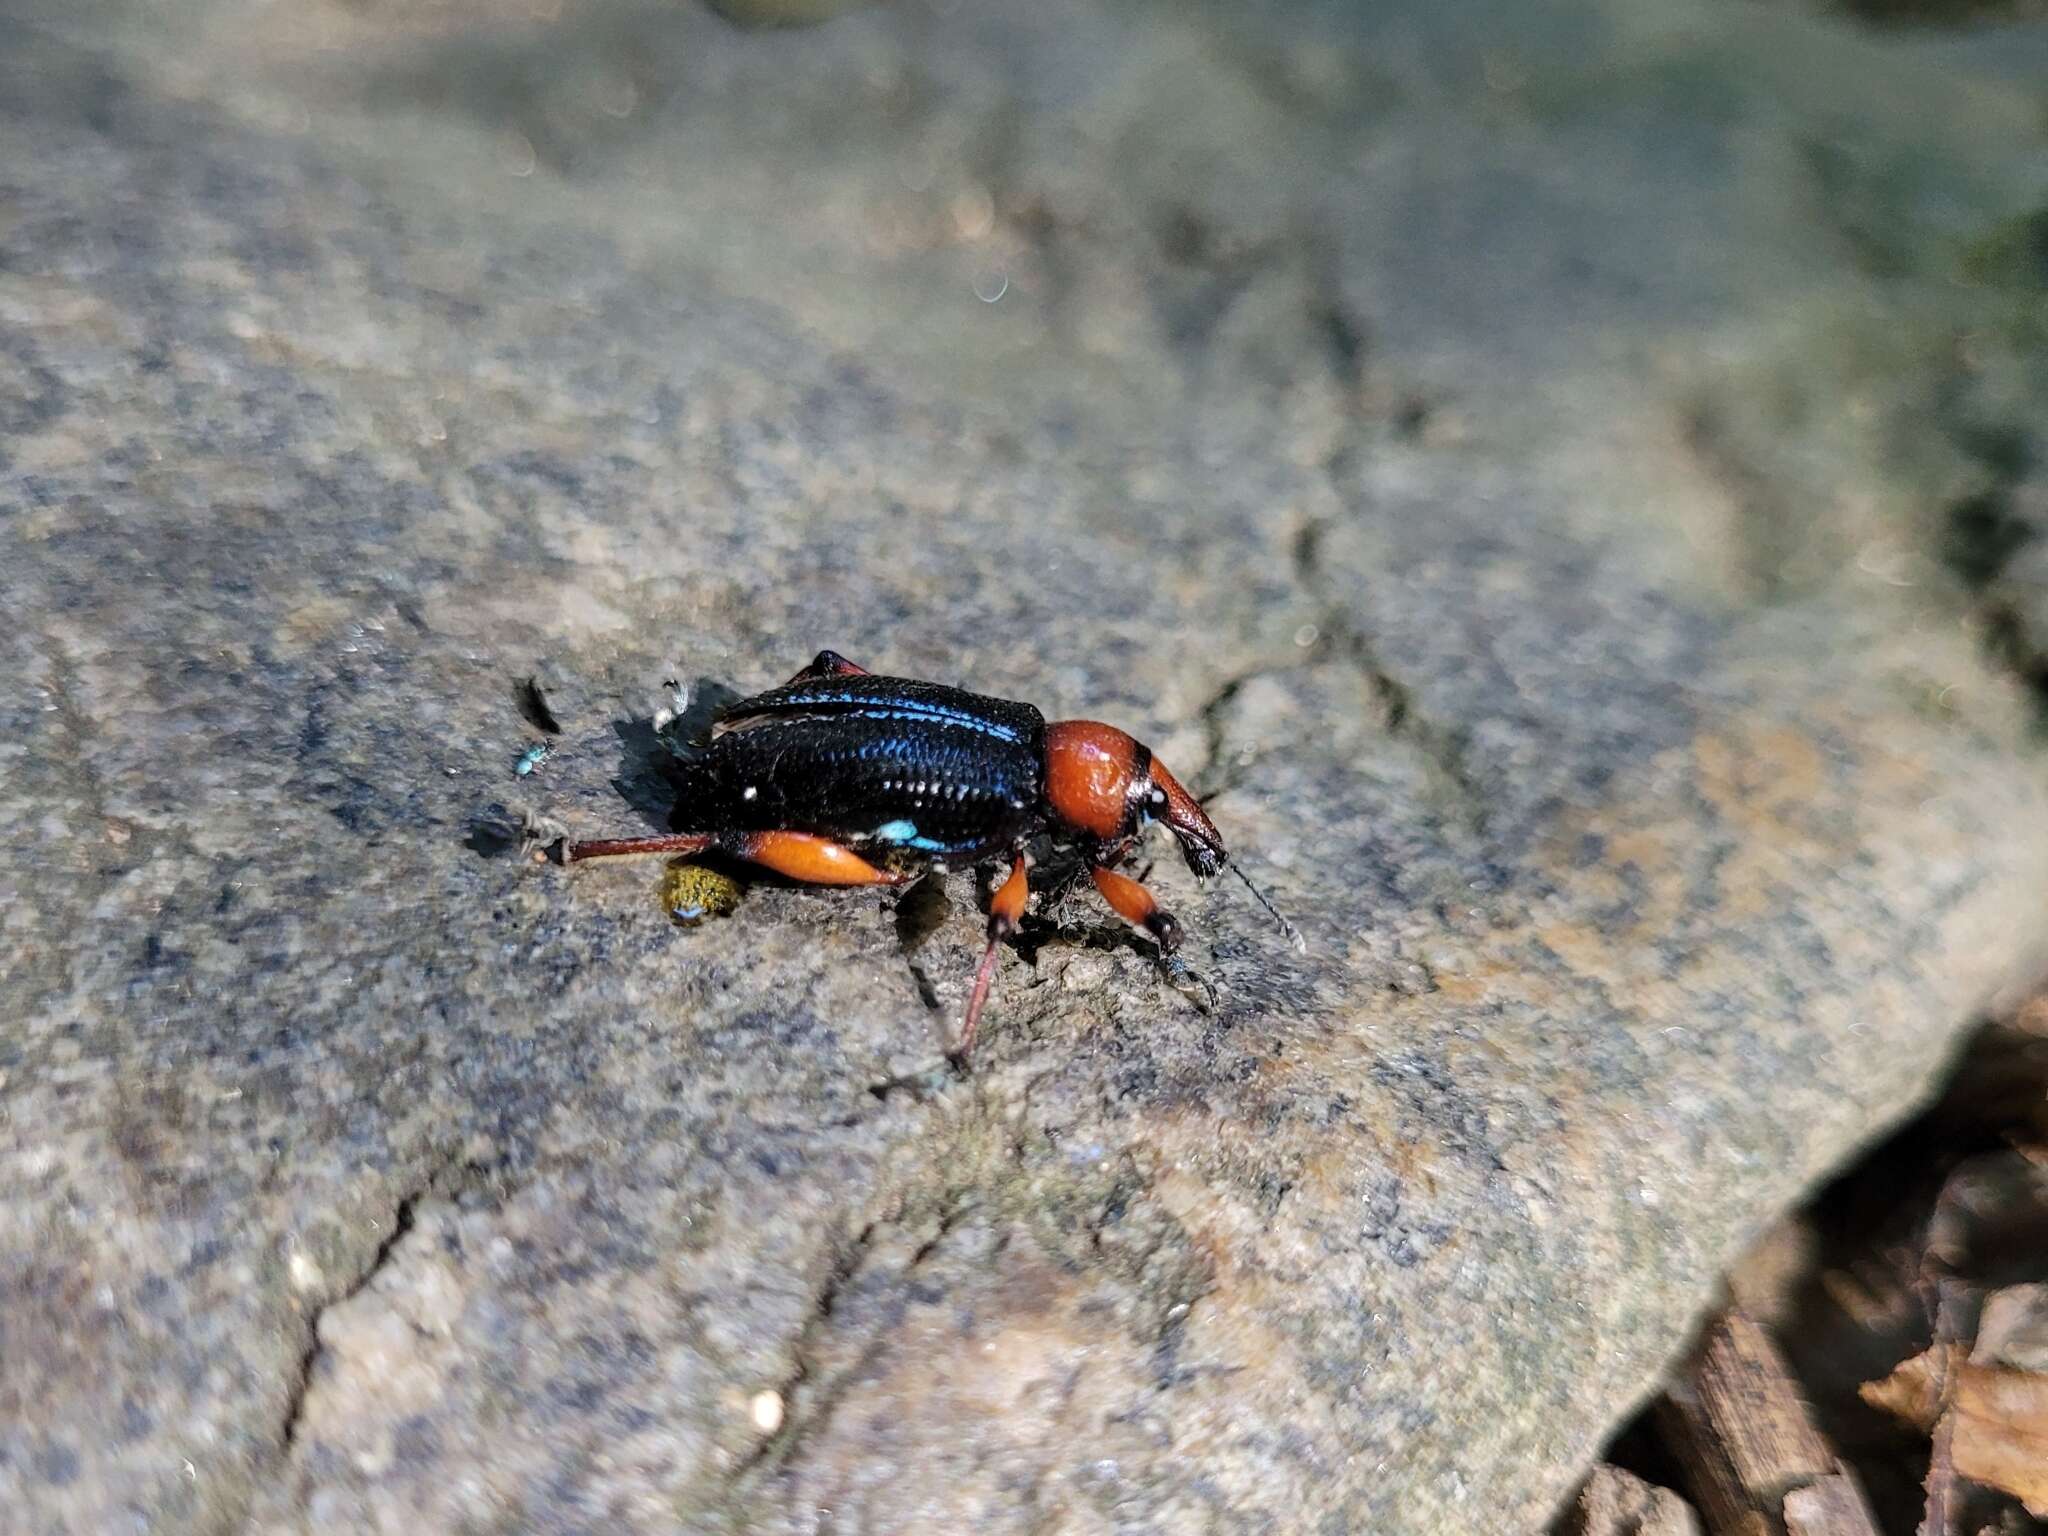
<point>843,777</point>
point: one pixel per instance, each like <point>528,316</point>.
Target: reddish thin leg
<point>1004,910</point>
<point>1138,907</point>
<point>682,843</point>
<point>827,664</point>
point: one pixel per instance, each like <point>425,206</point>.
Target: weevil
<point>842,777</point>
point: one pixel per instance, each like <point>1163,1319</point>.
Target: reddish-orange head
<point>1100,782</point>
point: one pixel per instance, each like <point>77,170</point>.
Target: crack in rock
<point>309,1358</point>
<point>77,725</point>
<point>805,1419</point>
<point>1341,639</point>
<point>1443,747</point>
<point>447,1181</point>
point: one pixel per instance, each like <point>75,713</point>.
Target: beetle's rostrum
<point>841,777</point>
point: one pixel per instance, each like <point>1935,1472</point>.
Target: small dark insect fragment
<point>533,703</point>
<point>496,831</point>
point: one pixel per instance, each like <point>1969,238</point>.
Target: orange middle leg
<point>1005,909</point>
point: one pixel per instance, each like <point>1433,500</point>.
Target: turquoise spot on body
<point>904,834</point>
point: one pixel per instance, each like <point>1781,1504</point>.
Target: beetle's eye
<point>1157,799</point>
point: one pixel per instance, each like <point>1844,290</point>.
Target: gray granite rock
<point>1509,457</point>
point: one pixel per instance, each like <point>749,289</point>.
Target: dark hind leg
<point>827,664</point>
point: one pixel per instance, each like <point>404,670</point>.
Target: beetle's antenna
<point>1293,933</point>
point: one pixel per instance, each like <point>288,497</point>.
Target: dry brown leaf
<point>1913,1391</point>
<point>2002,1431</point>
<point>2000,1419</point>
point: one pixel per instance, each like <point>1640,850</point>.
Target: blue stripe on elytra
<point>867,709</point>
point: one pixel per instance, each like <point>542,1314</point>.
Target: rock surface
<point>1618,1503</point>
<point>1536,483</point>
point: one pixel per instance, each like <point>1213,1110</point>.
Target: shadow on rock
<point>651,748</point>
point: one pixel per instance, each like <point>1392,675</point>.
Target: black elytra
<point>886,765</point>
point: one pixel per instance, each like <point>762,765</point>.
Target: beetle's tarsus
<point>1189,983</point>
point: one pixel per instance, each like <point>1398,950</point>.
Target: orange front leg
<point>1137,906</point>
<point>1005,909</point>
<point>811,859</point>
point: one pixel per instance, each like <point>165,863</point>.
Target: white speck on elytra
<point>749,792</point>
